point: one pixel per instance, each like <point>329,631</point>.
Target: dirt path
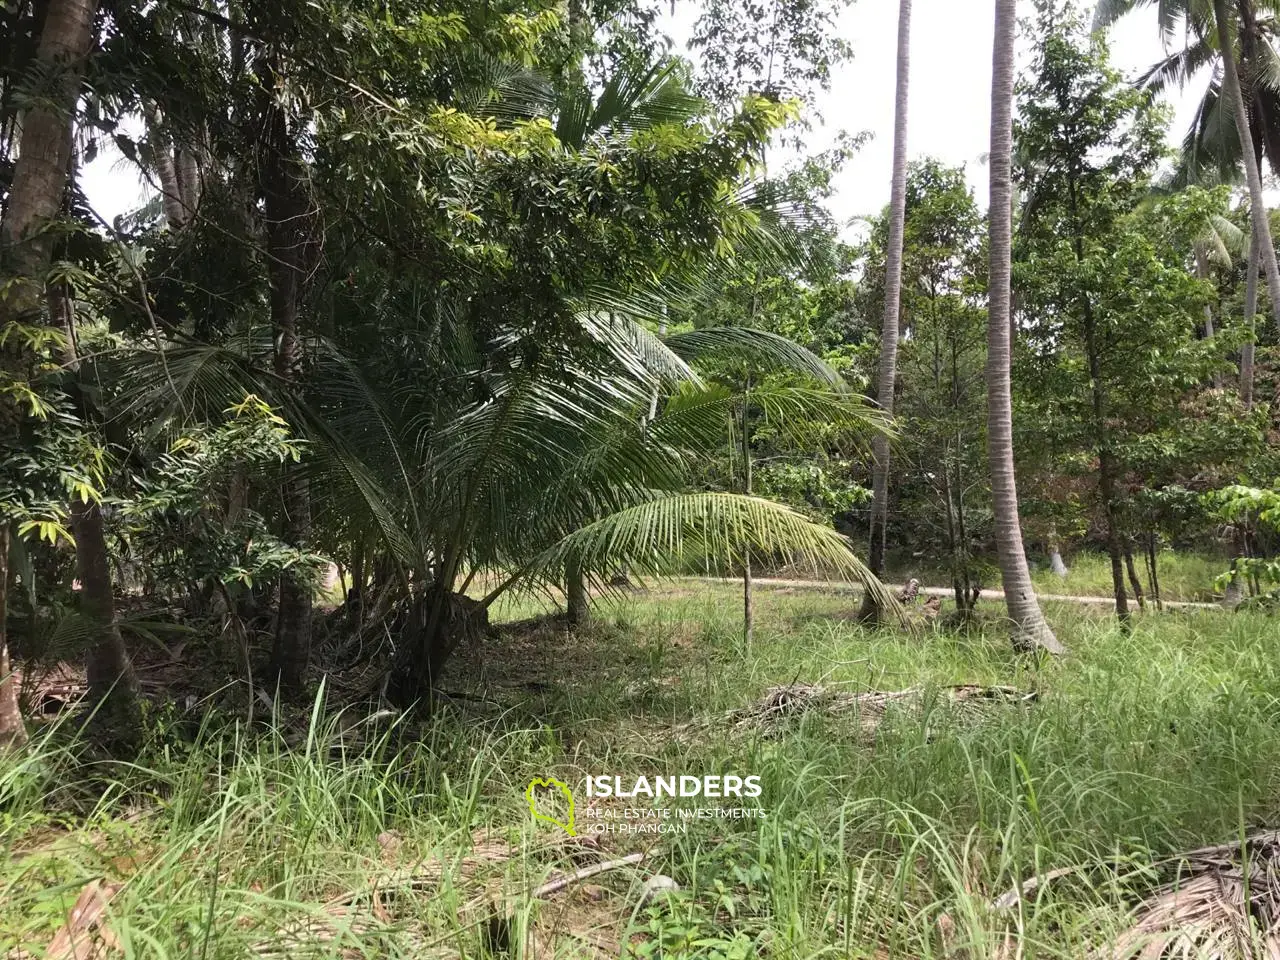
<point>839,586</point>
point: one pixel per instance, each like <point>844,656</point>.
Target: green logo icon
<point>551,783</point>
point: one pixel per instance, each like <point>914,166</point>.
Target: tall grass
<point>298,838</point>
<point>1183,576</point>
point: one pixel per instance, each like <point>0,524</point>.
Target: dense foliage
<point>461,301</point>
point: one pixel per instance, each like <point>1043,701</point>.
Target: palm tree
<point>1257,203</point>
<point>1254,113</point>
<point>547,469</point>
<point>892,304</point>
<point>1029,627</point>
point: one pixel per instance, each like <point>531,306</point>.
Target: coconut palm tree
<point>1030,630</point>
<point>1257,203</point>
<point>892,303</point>
<point>529,472</point>
<point>1247,97</point>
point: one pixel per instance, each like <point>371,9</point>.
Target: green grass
<point>894,844</point>
<point>1183,576</point>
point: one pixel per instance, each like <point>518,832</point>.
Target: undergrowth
<point>330,835</point>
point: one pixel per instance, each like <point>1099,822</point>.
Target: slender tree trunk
<point>1203,273</point>
<point>188,173</point>
<point>1257,201</point>
<point>1234,593</point>
<point>357,567</point>
<point>1250,309</point>
<point>1029,627</point>
<point>1107,467</point>
<point>288,215</point>
<point>12,731</point>
<point>577,601</point>
<point>112,687</point>
<point>1132,570</point>
<point>175,212</point>
<point>889,331</point>
<point>1153,571</point>
<point>970,589</point>
<point>959,588</point>
<point>748,599</point>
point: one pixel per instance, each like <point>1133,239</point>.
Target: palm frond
<point>1108,12</point>
<point>642,354</point>
<point>505,91</point>
<point>635,98</point>
<point>804,415</point>
<point>765,351</point>
<point>1178,67</point>
<point>669,534</point>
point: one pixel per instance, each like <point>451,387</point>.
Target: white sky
<point>950,97</point>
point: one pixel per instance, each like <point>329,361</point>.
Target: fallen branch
<point>784,702</point>
<point>555,886</point>
<point>1010,899</point>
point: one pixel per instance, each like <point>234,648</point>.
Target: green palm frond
<point>1224,241</point>
<point>635,98</point>
<point>642,354</point>
<point>1108,12</point>
<point>1210,152</point>
<point>804,415</point>
<point>764,350</point>
<point>669,534</point>
<point>1179,66</point>
<point>1169,13</point>
<point>194,382</point>
<point>505,91</point>
<point>1265,69</point>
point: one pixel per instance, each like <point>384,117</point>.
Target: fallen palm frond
<point>781,704</point>
<point>85,933</point>
<point>1224,904</point>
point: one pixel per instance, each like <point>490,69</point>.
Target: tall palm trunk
<point>1250,309</point>
<point>1257,202</point>
<point>12,732</point>
<point>287,209</point>
<point>892,307</point>
<point>161,157</point>
<point>1029,627</point>
<point>748,598</point>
